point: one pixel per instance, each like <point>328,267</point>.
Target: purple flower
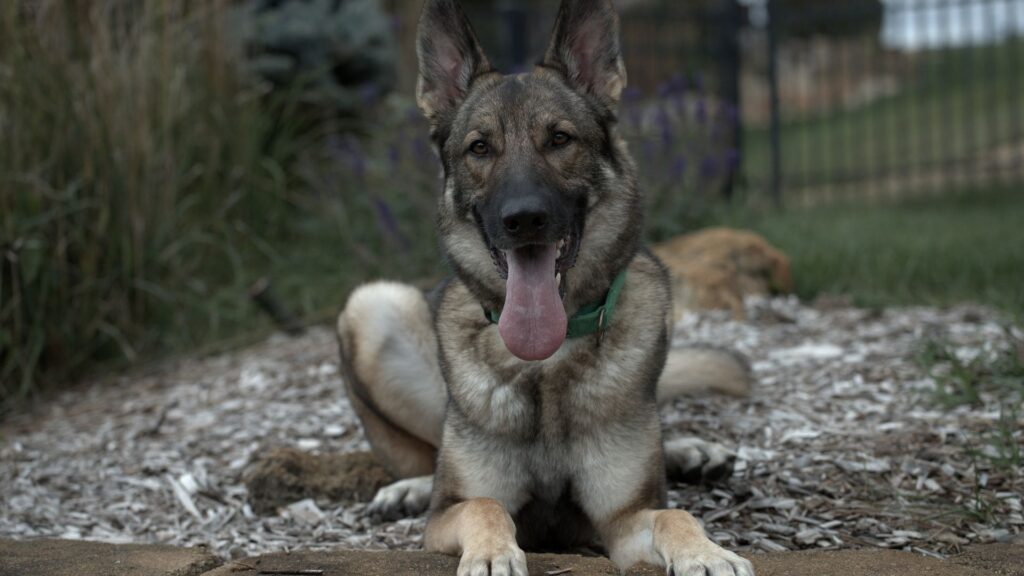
<point>698,82</point>
<point>388,224</point>
<point>678,82</point>
<point>730,114</point>
<point>732,159</point>
<point>422,153</point>
<point>702,111</point>
<point>352,150</point>
<point>679,103</point>
<point>708,167</point>
<point>634,116</point>
<point>370,93</point>
<point>647,151</point>
<point>394,156</point>
<point>678,170</point>
<point>665,127</point>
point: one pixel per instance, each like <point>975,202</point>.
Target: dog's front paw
<point>707,559</point>
<point>409,497</point>
<point>495,558</point>
<point>694,461</point>
<point>685,550</point>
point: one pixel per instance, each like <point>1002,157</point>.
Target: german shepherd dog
<point>536,438</point>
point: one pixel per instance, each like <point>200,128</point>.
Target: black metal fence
<point>928,100</point>
<point>813,100</point>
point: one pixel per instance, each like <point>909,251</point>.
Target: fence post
<point>774,29</point>
<point>730,24</point>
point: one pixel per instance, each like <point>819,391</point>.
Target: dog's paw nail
<point>711,560</point>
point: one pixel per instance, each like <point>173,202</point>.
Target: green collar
<point>591,319</point>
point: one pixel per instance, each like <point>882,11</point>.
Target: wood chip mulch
<point>841,444</point>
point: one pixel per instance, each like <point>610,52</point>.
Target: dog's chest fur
<point>586,385</point>
<point>534,435</point>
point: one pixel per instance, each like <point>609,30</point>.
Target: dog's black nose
<point>525,217</point>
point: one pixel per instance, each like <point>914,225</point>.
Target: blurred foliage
<point>835,18</point>
<point>133,170</point>
<point>801,18</point>
<point>339,53</point>
<point>970,381</point>
<point>682,139</point>
<point>146,183</point>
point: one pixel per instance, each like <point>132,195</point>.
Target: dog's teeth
<point>558,279</point>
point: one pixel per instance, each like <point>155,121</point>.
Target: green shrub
<point>340,52</point>
<point>145,184</point>
<point>137,175</point>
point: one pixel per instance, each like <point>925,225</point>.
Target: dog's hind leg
<point>407,497</point>
<point>699,370</point>
<point>696,461</point>
<point>390,366</point>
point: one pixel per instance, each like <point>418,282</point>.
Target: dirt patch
<point>995,559</point>
<point>287,475</point>
<point>77,558</point>
<point>344,562</point>
<point>857,563</point>
<point>978,561</point>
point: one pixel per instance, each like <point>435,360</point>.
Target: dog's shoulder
<point>647,282</point>
<point>649,263</point>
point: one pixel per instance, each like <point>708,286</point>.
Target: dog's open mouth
<point>568,250</point>
<point>533,321</point>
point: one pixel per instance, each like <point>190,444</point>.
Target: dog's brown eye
<point>560,139</point>
<point>479,147</point>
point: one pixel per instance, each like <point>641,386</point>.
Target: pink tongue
<point>533,320</point>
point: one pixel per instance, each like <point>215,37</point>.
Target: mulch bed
<point>841,445</point>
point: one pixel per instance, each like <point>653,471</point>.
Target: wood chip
<point>184,498</point>
<point>837,447</point>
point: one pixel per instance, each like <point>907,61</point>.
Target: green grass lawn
<point>950,106</point>
<point>935,251</point>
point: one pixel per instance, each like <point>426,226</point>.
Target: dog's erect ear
<point>585,49</point>
<point>450,59</point>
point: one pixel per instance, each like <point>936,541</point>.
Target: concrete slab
<point>385,563</point>
<point>995,559</point>
<point>78,558</point>
<point>813,563</point>
<point>82,558</point>
<point>869,562</point>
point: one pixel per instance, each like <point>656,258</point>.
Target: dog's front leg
<point>481,531</point>
<point>674,540</point>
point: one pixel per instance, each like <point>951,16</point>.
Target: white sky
<point>912,24</point>
<point>915,24</point>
